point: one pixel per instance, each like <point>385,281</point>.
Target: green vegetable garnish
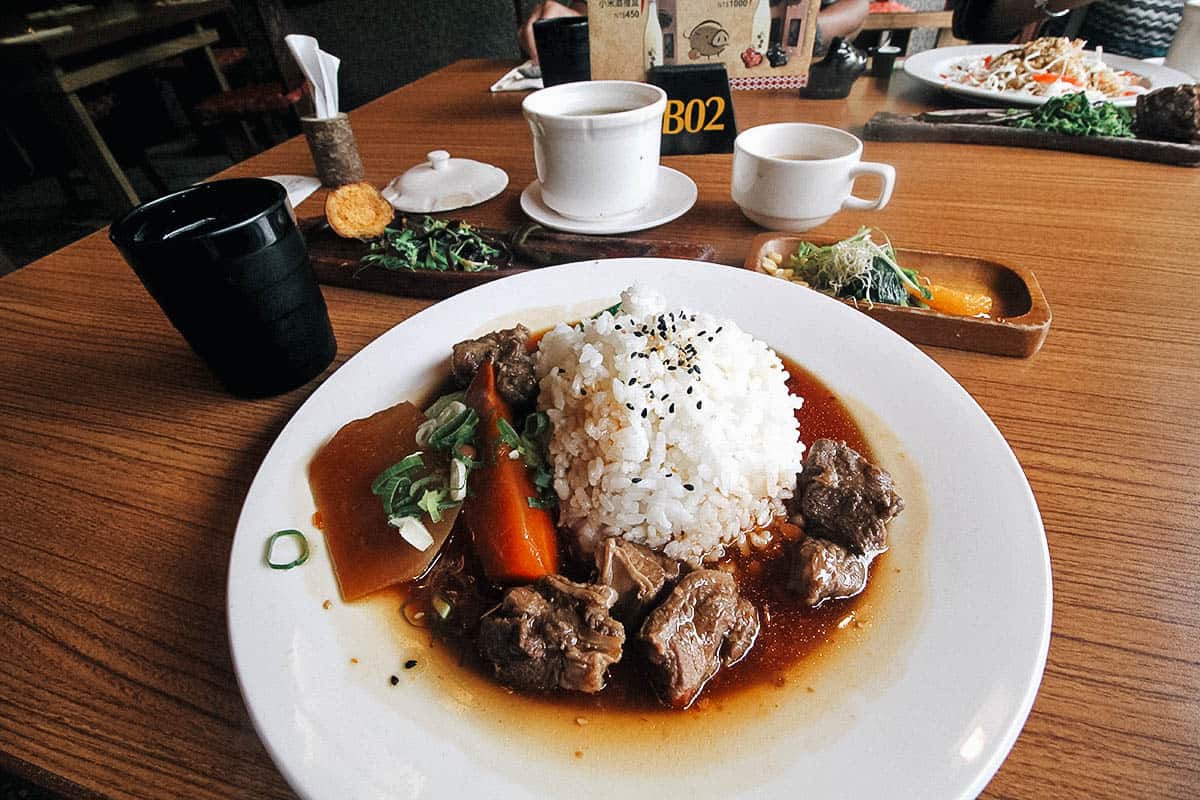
<point>438,246</point>
<point>530,445</point>
<point>858,268</point>
<point>613,309</point>
<point>1075,115</point>
<point>298,560</point>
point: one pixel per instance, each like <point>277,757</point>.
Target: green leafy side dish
<point>437,245</point>
<point>1074,115</point>
<point>858,268</point>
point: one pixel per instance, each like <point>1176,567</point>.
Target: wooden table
<point>122,465</point>
<point>64,54</point>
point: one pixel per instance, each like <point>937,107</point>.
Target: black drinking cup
<point>563,51</point>
<point>229,268</point>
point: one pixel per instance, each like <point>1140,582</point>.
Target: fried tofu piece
<point>358,211</point>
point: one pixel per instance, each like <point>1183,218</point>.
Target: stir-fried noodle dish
<point>1048,67</point>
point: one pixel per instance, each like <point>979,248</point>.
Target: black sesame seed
<point>689,487</point>
<point>668,474</point>
<point>635,480</point>
<point>629,406</point>
<point>632,381</point>
<point>699,404</point>
<point>671,410</point>
<point>582,392</point>
<point>701,333</point>
<point>671,367</point>
<point>412,662</point>
<point>643,413</point>
<point>393,680</point>
<point>719,329</point>
<point>665,396</point>
<point>710,338</point>
<point>690,389</point>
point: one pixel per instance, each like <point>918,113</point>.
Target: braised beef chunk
<point>508,351</point>
<point>553,634</point>
<point>638,574</point>
<point>846,497</point>
<point>1171,113</point>
<point>702,624</point>
<point>822,570</point>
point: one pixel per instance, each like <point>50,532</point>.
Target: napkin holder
<point>334,151</point>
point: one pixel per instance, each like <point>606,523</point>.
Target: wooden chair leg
<point>97,161</point>
<point>152,174</point>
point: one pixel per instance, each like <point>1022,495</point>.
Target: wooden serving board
<point>1020,316</point>
<point>886,126</point>
<point>337,261</point>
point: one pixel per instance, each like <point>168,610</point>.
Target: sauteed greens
<point>1074,115</point>
<point>436,245</point>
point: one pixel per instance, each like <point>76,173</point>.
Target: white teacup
<point>793,175</point>
<point>595,145</point>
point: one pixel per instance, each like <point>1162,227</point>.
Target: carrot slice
<point>515,543</point>
<point>957,302</point>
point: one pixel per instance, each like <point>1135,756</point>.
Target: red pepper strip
<point>1052,77</point>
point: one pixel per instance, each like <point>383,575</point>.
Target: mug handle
<point>886,172</point>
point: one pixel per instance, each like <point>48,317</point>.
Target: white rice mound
<point>685,460</point>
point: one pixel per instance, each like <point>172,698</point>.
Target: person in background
<point>1135,28</point>
<point>838,18</point>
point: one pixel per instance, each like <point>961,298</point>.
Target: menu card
<point>764,44</point>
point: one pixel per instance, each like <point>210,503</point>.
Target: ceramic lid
<point>443,183</point>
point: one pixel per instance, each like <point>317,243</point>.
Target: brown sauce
<point>790,630</point>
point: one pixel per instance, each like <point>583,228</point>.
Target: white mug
<point>595,146</point>
<point>793,175</point>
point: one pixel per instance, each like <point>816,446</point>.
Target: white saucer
<point>676,194</point>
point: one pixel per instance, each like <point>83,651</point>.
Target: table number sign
<point>763,44</point>
<point>699,114</point>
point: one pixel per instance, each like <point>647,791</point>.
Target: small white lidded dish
<point>443,184</point>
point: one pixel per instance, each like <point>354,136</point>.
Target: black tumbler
<point>563,52</point>
<point>229,268</point>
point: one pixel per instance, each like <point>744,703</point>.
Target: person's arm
<point>842,18</point>
<point>1000,20</point>
<point>547,10</point>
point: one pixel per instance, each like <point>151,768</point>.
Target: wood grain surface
<point>123,466</point>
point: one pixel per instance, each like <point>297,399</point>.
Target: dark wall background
<point>385,44</point>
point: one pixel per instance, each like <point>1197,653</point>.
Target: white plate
<point>676,194</point>
<point>930,65</point>
<point>924,699</point>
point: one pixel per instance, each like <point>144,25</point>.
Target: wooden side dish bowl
<point>1017,326</point>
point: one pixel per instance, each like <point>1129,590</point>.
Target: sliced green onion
<point>438,405</point>
<point>298,560</point>
<point>431,503</point>
<point>458,480</point>
<point>406,464</point>
<point>414,615</point>
<point>413,531</point>
<point>441,606</point>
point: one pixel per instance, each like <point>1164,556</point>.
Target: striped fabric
<point>1137,28</point>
